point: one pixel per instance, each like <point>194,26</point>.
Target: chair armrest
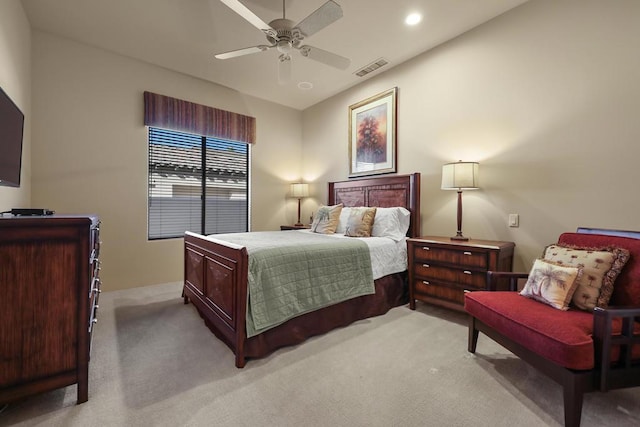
<point>494,278</point>
<point>604,340</point>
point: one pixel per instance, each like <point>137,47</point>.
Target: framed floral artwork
<point>372,135</point>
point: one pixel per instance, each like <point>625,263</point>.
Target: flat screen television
<point>11,128</point>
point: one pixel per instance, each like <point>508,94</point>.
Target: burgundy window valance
<point>184,116</point>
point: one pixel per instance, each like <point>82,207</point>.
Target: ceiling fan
<point>286,37</point>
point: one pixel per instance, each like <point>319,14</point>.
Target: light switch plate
<point>514,220</point>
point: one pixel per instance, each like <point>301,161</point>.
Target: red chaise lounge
<point>581,350</point>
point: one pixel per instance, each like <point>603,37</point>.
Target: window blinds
<point>196,184</point>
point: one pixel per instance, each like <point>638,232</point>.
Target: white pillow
<point>344,218</point>
<point>391,222</point>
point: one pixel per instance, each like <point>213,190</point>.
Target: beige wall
<point>90,151</point>
<point>15,80</point>
<point>545,97</point>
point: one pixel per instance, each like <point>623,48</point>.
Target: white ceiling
<point>183,35</point>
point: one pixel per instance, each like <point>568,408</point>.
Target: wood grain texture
<point>441,269</point>
<point>184,116</point>
<point>45,303</point>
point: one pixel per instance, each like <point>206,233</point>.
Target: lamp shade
<point>299,190</point>
<point>460,176</point>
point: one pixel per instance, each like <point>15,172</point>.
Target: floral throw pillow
<point>326,219</point>
<point>600,267</point>
<point>360,222</point>
<point>551,283</point>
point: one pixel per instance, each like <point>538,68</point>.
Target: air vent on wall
<point>381,62</point>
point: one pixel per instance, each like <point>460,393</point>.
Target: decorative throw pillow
<point>600,267</point>
<point>551,283</point>
<point>360,222</point>
<point>388,222</point>
<point>326,219</point>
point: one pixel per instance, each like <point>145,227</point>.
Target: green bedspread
<point>292,273</point>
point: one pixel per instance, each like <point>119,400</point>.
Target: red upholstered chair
<point>582,351</point>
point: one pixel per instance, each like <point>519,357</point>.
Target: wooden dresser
<point>49,288</point>
<point>441,269</point>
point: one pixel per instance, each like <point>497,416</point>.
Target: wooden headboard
<point>386,191</point>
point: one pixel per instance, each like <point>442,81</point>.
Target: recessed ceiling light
<point>305,85</point>
<point>413,19</point>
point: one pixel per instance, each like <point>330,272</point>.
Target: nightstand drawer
<point>439,291</point>
<point>463,258</point>
<point>476,279</point>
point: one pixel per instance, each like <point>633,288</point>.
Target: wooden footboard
<point>215,281</point>
<point>216,284</point>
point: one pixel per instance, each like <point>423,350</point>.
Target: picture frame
<point>372,135</point>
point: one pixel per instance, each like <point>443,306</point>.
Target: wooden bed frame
<point>215,276</point>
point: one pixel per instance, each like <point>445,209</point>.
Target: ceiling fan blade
<point>323,16</point>
<point>251,17</point>
<point>325,57</point>
<point>284,69</point>
<point>241,52</point>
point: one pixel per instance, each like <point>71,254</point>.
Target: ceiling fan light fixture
<point>284,46</point>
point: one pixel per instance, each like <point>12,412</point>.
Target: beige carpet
<point>154,363</point>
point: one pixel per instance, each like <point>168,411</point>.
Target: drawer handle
<point>466,272</point>
<point>426,248</point>
<point>425,282</point>
<point>91,323</point>
<point>467,253</point>
<point>425,265</point>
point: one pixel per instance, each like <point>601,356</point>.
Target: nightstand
<point>294,227</point>
<point>441,269</point>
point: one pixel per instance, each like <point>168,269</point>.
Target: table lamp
<point>299,190</point>
<point>460,176</point>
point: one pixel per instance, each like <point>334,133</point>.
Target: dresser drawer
<point>474,279</point>
<point>464,258</point>
<point>95,242</point>
<point>93,313</point>
<point>95,283</point>
<point>439,291</point>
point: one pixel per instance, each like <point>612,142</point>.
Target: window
<point>196,183</point>
<point>198,167</point>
